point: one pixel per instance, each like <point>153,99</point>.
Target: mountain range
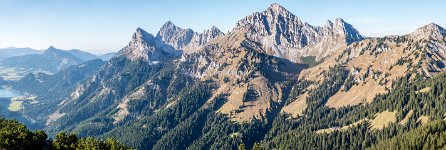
<point>17,62</point>
<point>13,51</point>
<point>273,81</point>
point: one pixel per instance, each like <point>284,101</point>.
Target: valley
<point>11,99</point>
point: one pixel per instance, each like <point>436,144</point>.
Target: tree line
<point>16,136</point>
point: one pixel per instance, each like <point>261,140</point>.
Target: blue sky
<point>101,26</point>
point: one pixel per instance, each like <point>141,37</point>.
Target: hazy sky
<point>101,26</point>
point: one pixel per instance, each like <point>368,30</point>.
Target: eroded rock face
<point>186,39</point>
<point>175,36</point>
<point>284,35</point>
<point>431,30</point>
<point>200,39</point>
<point>146,47</point>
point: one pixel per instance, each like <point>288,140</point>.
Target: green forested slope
<point>429,136</point>
<point>15,136</point>
<point>406,96</point>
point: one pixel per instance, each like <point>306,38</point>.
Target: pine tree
<point>241,146</point>
<point>256,146</point>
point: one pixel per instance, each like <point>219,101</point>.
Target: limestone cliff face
<point>284,35</point>
<point>186,39</point>
<point>431,30</point>
<point>145,46</point>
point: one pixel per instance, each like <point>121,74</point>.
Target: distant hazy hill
<point>83,55</point>
<point>67,78</point>
<point>13,51</point>
<point>23,61</point>
<point>52,60</point>
<point>107,56</point>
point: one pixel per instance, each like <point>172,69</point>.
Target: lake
<point>5,99</point>
<point>7,93</point>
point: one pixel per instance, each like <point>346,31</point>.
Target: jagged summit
<point>168,24</point>
<point>266,21</point>
<point>279,31</point>
<point>345,29</point>
<point>141,35</point>
<point>277,9</point>
<point>186,39</point>
<point>214,30</point>
<point>431,30</point>
<point>432,26</point>
<point>283,34</point>
<point>146,47</point>
<point>169,42</point>
<point>175,36</point>
<point>275,6</point>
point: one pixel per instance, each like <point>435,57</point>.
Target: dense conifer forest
<point>15,136</point>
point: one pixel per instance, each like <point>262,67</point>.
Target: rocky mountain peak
<point>342,28</point>
<point>200,39</point>
<point>283,34</point>
<point>433,27</point>
<point>186,39</point>
<point>275,6</point>
<point>141,35</point>
<point>168,25</point>
<point>175,36</point>
<point>431,30</point>
<point>214,31</point>
<point>277,9</point>
<point>266,22</point>
<point>145,46</point>
<point>338,22</point>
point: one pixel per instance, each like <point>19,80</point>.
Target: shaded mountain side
<point>45,84</point>
<point>48,89</point>
<point>187,103</point>
<point>116,94</point>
